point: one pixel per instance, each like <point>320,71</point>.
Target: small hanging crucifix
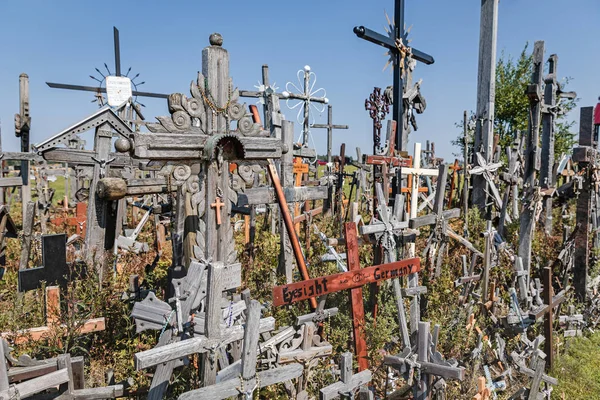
<point>218,205</point>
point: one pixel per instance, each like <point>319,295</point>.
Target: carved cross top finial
<point>215,39</point>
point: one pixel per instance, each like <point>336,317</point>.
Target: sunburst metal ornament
<point>266,91</point>
<point>102,84</point>
<point>401,44</point>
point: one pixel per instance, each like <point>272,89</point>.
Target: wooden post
<point>28,218</point>
<point>465,192</point>
<point>356,298</point>
<point>547,173</point>
<point>486,79</point>
<point>532,157</point>
<point>584,204</point>
<point>22,127</point>
<point>212,328</point>
<point>98,213</point>
<point>285,253</point>
<point>549,318</point>
<point>422,387</point>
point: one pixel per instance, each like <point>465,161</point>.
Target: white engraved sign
<point>118,90</point>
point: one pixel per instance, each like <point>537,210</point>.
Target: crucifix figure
<point>397,44</point>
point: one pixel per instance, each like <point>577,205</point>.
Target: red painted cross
<point>352,280</point>
<point>79,220</point>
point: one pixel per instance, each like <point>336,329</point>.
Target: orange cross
<point>217,205</point>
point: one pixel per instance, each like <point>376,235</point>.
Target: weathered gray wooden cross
<point>397,44</point>
<point>439,219</point>
<point>250,380</point>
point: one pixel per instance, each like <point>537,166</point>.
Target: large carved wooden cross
<point>397,44</point>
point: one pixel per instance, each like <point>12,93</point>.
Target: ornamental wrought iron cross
<point>397,44</point>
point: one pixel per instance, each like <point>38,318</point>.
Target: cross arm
<point>445,371</point>
<point>198,344</point>
<point>431,219</point>
<point>325,126</point>
<point>102,90</point>
<point>232,387</point>
<point>377,38</point>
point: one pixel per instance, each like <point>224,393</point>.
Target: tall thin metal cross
<point>99,90</point>
<point>397,44</point>
<point>330,127</point>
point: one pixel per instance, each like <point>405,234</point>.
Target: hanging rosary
<point>211,102</point>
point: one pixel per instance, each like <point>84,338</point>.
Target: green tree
<point>512,105</point>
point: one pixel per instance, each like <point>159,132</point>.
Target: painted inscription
<point>298,291</point>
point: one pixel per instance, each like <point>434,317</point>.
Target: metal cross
<point>330,127</point>
<point>396,42</point>
<point>99,90</point>
<point>307,96</point>
<point>378,107</point>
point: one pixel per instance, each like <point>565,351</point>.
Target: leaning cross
<point>353,279</point>
<point>250,380</point>
<point>397,44</point>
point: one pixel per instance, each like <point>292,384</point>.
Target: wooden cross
<point>427,360</point>
<point>397,44</point>
<point>532,157</point>
<point>249,380</point>
<point>330,127</point>
<point>54,269</point>
<point>22,128</point>
<point>354,279</point>
<point>265,95</point>
<point>552,92</point>
<point>439,219</point>
<point>78,221</point>
<point>217,205</point>
<point>547,310</point>
<point>349,381</point>
<point>585,155</point>
<point>415,172</point>
<point>486,78</point>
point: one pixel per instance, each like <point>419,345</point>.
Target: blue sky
<point>63,41</point>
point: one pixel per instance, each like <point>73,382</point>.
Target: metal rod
<point>289,226</point>
<point>117,52</point>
